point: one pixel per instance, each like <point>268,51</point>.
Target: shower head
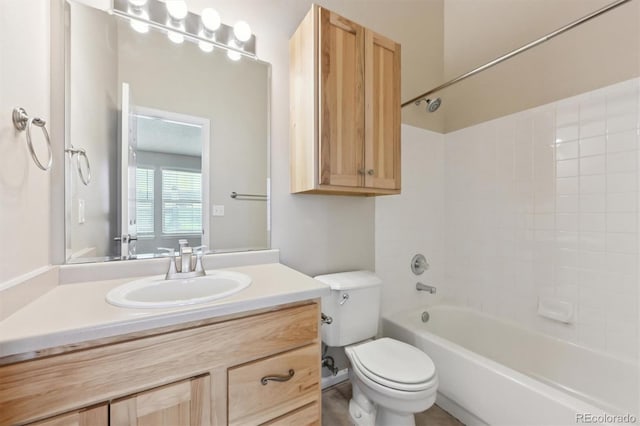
<point>432,104</point>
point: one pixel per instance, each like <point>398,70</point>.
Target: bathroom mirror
<point>164,142</point>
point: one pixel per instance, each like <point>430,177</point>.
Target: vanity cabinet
<point>344,108</point>
<point>247,369</point>
<point>94,416</point>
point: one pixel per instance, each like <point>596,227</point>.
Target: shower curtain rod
<point>519,50</point>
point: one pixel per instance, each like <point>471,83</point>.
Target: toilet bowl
<point>391,381</point>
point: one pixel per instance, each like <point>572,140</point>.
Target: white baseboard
<point>342,376</point>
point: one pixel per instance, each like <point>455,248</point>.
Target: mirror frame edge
<point>57,122</point>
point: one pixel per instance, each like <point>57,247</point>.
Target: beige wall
<point>603,51</point>
<point>319,234</point>
<point>233,96</point>
<point>24,189</point>
<point>93,101</point>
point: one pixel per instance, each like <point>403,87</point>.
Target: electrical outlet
<point>217,210</point>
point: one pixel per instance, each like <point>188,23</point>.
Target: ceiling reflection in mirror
<point>171,131</point>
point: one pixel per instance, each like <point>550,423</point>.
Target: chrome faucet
<point>424,287</point>
<point>184,266</point>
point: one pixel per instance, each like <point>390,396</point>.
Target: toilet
<point>391,380</point>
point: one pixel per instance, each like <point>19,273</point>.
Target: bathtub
<point>495,372</point>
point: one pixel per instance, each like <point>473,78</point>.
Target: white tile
<point>567,168</point>
<point>622,263</point>
<point>620,123</point>
<point>622,182</point>
<point>565,275</point>
<point>592,297</point>
<point>568,239</point>
<point>593,222</point>
<point>593,241</point>
<point>593,203</point>
<point>592,128</point>
<point>592,184</point>
<point>592,109</point>
<point>567,113</point>
<point>622,222</point>
<point>595,277</point>
<point>566,186</point>
<point>567,133</point>
<point>567,203</point>
<point>622,242</point>
<point>593,146</point>
<point>622,339</point>
<point>593,337</point>
<point>622,202</point>
<point>597,260</point>
<point>544,221</point>
<point>567,150</point>
<point>625,141</point>
<point>621,162</point>
<point>567,222</point>
<point>595,165</point>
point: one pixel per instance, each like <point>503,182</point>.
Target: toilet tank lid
<point>350,280</point>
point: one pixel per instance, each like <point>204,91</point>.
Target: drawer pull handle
<point>265,380</point>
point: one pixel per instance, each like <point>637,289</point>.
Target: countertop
<point>75,313</point>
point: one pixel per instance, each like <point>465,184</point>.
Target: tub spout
<point>425,287</point>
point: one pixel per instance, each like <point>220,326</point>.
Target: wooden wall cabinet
<point>344,108</point>
<point>198,374</point>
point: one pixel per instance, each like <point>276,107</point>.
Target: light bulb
<point>205,47</point>
<point>137,3</point>
<point>175,37</point>
<point>242,31</point>
<point>210,19</point>
<point>232,54</point>
<point>141,27</point>
<point>177,9</point>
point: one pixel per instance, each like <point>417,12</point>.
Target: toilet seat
<point>394,365</point>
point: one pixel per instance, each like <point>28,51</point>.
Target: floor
<point>335,411</point>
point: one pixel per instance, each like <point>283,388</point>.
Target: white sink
<point>156,292</point>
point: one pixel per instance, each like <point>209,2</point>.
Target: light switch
<point>217,210</point>
<point>80,210</point>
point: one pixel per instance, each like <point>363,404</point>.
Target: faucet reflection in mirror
<point>207,29</point>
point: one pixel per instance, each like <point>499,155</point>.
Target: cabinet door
<point>382,96</point>
<point>185,403</point>
<point>95,416</point>
<point>341,93</point>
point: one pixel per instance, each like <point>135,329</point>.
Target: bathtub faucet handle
<point>345,297</point>
<point>424,287</point>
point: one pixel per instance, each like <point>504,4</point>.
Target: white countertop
<point>74,313</point>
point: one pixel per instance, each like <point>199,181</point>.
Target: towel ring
<point>81,153</point>
<point>22,121</point>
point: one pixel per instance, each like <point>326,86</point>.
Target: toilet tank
<point>354,306</point>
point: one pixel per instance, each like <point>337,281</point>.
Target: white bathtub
<point>494,372</point>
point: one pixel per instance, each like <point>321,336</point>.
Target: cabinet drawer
<point>305,416</point>
<point>251,402</point>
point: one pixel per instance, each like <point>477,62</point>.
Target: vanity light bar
<point>155,15</point>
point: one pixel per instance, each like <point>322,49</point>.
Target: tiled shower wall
<point>544,204</point>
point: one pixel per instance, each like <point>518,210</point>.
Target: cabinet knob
<point>370,172</point>
<point>360,171</point>
<point>265,380</point>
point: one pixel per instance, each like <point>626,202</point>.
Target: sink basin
<point>156,292</point>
